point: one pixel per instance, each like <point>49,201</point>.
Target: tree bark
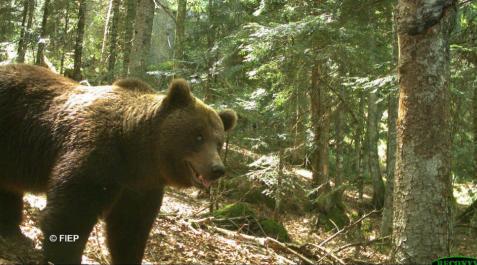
<point>339,148</point>
<point>114,39</point>
<point>321,122</point>
<point>180,32</point>
<point>387,219</point>
<point>422,223</point>
<point>64,38</point>
<point>373,157</point>
<point>128,34</point>
<point>106,29</point>
<point>79,40</point>
<point>142,38</point>
<point>474,107</point>
<point>23,33</point>
<point>40,60</point>
<point>210,48</point>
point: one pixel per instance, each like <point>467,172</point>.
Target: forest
<point>356,137</point>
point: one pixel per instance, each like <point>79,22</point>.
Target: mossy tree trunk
<point>422,224</point>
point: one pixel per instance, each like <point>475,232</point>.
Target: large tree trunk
<point>114,39</point>
<point>142,38</point>
<point>40,55</point>
<point>128,34</point>
<point>373,157</point>
<point>422,224</point>
<point>180,33</point>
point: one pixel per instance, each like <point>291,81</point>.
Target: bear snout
<point>218,171</point>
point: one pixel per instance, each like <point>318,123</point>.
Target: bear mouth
<point>198,180</point>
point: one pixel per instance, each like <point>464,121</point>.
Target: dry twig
<point>346,228</point>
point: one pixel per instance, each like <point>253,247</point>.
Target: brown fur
<point>100,151</point>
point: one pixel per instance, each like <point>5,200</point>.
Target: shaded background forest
<point>314,84</point>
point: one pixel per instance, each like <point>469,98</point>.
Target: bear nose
<point>218,171</point>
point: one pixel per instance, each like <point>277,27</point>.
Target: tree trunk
<point>40,60</point>
<point>22,43</point>
<point>64,38</point>
<point>387,219</point>
<point>474,105</point>
<point>373,157</point>
<point>128,34</point>
<point>142,38</point>
<point>180,32</point>
<point>210,54</point>
<point>114,39</point>
<point>339,148</point>
<point>79,40</point>
<point>106,29</point>
<point>321,122</point>
<point>359,147</point>
<point>422,223</point>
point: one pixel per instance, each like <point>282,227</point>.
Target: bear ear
<point>229,119</point>
<point>179,93</point>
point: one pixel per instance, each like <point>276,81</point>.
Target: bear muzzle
<point>205,179</point>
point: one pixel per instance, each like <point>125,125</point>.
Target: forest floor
<point>176,240</point>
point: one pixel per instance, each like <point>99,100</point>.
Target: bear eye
<point>199,138</point>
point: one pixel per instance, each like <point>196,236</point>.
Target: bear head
<point>191,137</point>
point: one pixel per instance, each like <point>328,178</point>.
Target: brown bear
<point>100,152</point>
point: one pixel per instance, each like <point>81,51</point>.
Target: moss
<point>335,214</point>
<point>275,230</point>
<point>234,210</point>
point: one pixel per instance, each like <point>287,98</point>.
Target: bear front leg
<point>72,211</point>
<point>129,223</point>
